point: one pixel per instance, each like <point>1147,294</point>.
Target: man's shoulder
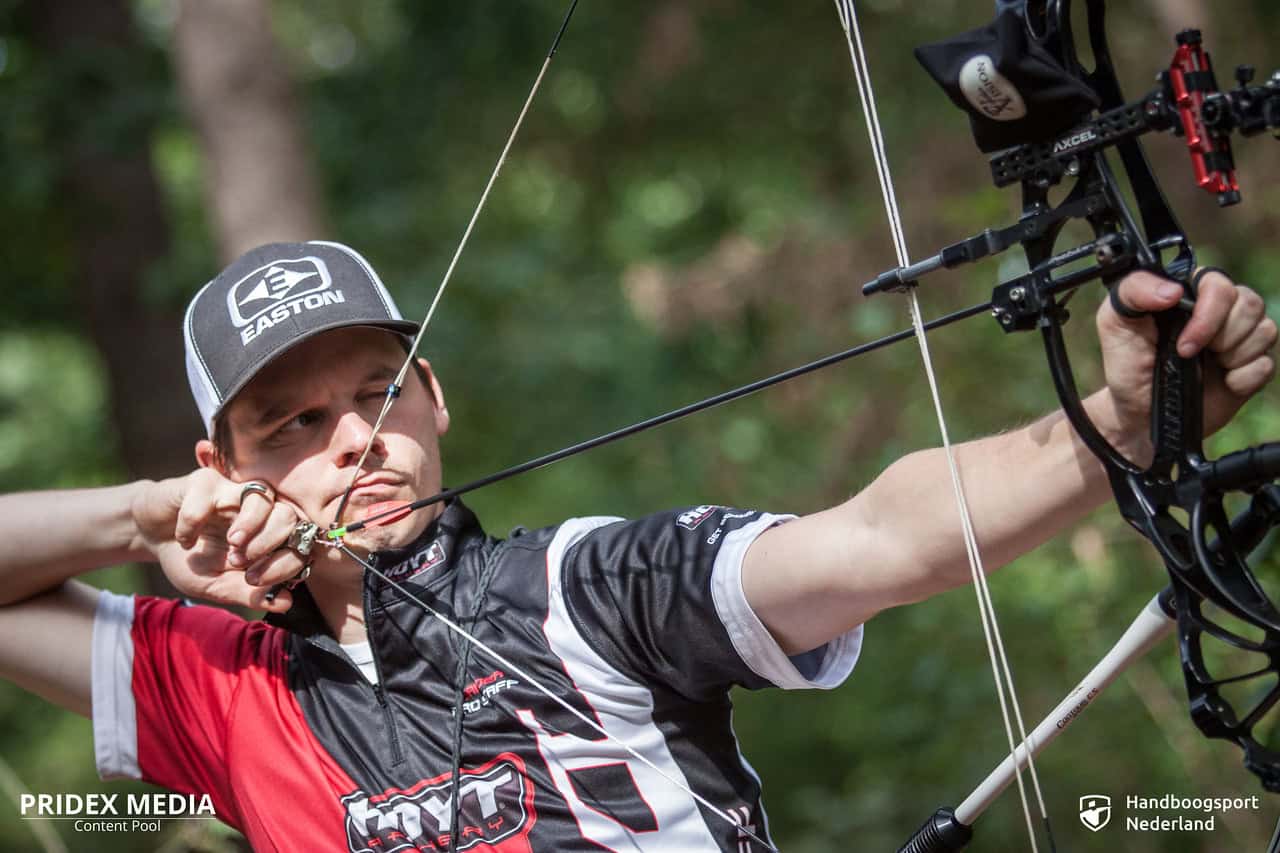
<point>562,534</point>
<point>683,522</point>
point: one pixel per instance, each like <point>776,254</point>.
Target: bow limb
<point>1001,671</point>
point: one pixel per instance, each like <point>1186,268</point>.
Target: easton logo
<point>496,811</point>
<point>274,292</point>
<point>1067,143</point>
<point>428,558</point>
<point>691,518</point>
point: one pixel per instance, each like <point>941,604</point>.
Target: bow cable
<point>1001,670</point>
<point>393,390</point>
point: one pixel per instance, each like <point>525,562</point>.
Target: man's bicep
<point>817,577</point>
<point>46,645</point>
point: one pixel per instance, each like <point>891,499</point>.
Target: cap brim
<point>407,328</point>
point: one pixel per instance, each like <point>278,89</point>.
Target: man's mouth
<point>378,493</point>
<point>372,490</point>
<point>374,486</point>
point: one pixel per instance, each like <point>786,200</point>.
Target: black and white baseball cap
<point>269,300</point>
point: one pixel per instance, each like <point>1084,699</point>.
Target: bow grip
<point>941,833</point>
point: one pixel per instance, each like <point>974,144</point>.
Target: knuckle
<point>1214,286</point>
<point>257,547</point>
<point>1268,329</point>
<point>1250,378</point>
<point>282,518</point>
<point>207,481</point>
<point>1250,301</point>
<point>188,517</point>
<point>283,511</point>
<point>1222,290</point>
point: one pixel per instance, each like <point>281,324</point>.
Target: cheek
<point>305,485</point>
<point>411,454</point>
<point>410,434</point>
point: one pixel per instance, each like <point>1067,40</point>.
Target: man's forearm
<point>1023,488</point>
<point>898,540</point>
<point>56,535</point>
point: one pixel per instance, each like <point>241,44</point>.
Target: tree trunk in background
<point>258,182</point>
<point>119,231</point>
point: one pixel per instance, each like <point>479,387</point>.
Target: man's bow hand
<point>1229,324</point>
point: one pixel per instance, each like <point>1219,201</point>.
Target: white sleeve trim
<point>757,647</point>
<point>115,718</point>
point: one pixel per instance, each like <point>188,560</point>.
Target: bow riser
<point>1176,500</point>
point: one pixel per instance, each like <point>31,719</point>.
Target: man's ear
<point>208,456</point>
<point>205,455</point>
<point>437,394</point>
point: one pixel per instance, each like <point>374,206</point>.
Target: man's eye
<point>300,421</point>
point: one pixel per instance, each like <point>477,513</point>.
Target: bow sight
<point>1047,120</point>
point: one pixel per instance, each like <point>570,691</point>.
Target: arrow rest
<point>1047,120</point>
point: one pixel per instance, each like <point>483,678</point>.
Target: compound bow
<point>1048,120</point>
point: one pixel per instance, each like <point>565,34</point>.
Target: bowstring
<point>393,390</point>
<point>1001,670</point>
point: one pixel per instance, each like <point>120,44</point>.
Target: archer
<point>607,719</point>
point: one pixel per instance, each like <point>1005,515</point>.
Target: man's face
<point>302,423</point>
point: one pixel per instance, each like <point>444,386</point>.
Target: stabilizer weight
<point>941,833</point>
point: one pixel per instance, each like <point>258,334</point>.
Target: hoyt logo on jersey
<point>426,559</point>
<point>274,292</point>
<point>495,810</point>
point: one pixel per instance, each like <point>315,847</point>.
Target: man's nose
<point>351,437</point>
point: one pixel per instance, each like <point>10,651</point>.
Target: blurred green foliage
<point>691,206</point>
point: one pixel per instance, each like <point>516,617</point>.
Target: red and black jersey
<point>641,625</point>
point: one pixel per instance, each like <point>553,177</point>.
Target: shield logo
<point>273,283</point>
<point>1095,811</point>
